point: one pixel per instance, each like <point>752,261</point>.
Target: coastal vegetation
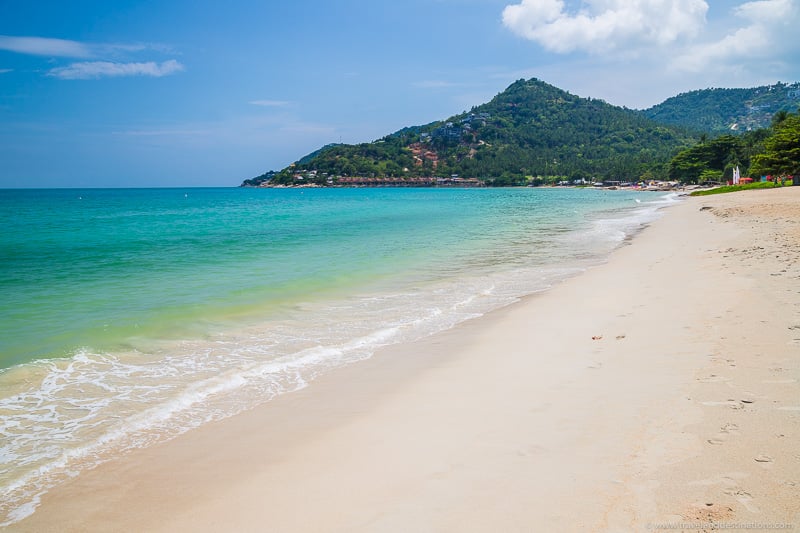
<point>773,151</point>
<point>536,134</point>
<point>781,154</point>
<point>713,159</point>
<point>734,188</point>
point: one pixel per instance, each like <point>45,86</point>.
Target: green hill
<point>718,111</point>
<point>530,133</point>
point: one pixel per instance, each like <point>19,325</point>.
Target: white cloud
<point>605,25</point>
<point>43,46</point>
<point>766,10</point>
<point>269,103</point>
<point>102,69</point>
<point>113,57</point>
<point>112,48</point>
<point>765,35</point>
<point>742,44</point>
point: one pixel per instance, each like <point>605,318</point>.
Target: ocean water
<point>129,316</point>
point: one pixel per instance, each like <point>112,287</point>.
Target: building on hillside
<point>448,132</point>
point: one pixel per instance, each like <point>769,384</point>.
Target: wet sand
<point>658,388</point>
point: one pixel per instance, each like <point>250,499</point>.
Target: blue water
<point>130,316</point>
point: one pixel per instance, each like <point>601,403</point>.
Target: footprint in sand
<point>763,458</point>
<point>745,498</point>
<point>729,428</point>
<point>731,487</point>
<point>724,432</point>
<point>713,378</point>
<point>733,404</point>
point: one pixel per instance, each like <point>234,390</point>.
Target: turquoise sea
<point>129,316</point>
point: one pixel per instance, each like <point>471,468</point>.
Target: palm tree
<point>779,117</point>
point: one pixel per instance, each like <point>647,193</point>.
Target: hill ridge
<point>720,110</point>
<point>530,133</point>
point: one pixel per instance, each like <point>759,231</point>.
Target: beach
<point>657,389</point>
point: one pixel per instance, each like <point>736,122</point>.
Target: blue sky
<point>206,93</point>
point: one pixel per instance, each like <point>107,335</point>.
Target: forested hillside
<point>530,133</point>
<point>717,111</point>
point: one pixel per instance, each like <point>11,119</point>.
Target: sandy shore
<point>658,388</point>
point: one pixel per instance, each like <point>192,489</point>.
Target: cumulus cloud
<point>765,33</point>
<point>103,69</point>
<point>604,25</point>
<point>647,46</point>
<point>766,10</point>
<point>43,46</point>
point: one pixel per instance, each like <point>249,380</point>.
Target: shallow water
<point>130,316</point>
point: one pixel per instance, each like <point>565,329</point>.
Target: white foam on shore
<point>61,417</point>
<point>617,226</point>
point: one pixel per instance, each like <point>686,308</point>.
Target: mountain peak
<point>534,132</point>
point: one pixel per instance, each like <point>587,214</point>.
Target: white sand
<point>686,409</point>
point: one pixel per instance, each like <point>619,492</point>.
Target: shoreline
<point>218,379</point>
<point>682,188</point>
<point>519,419</point>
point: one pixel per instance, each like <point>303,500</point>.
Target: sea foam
<point>61,416</point>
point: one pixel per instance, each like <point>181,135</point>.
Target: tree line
<point>769,151</point>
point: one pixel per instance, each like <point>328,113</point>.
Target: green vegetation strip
<point>734,188</point>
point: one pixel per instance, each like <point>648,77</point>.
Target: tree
<point>710,176</point>
<point>715,155</point>
<point>782,150</point>
<point>779,117</point>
